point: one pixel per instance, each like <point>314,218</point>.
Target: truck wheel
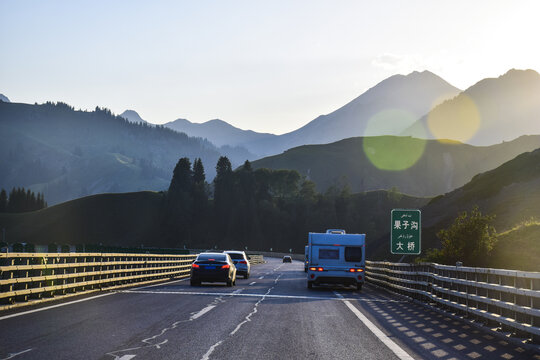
<point>310,284</point>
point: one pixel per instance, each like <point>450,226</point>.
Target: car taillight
<point>243,262</point>
<point>195,266</point>
<point>226,266</point>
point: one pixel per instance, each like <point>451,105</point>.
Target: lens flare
<point>389,122</point>
<point>459,120</point>
<point>392,152</point>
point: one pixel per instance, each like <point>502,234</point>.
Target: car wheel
<point>246,276</point>
<point>194,282</point>
<point>310,284</point>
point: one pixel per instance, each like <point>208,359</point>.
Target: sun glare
<point>393,153</point>
<point>458,122</point>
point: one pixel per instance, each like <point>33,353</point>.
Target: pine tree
<point>3,201</point>
<point>179,204</point>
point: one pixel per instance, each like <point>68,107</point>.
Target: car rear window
<point>236,255</point>
<point>216,257</point>
<point>332,254</point>
<point>353,253</point>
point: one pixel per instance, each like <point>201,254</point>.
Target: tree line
<point>254,209</point>
<point>21,200</point>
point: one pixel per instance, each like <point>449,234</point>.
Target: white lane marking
<point>237,291</point>
<point>161,284</point>
<point>252,283</point>
<point>127,357</point>
<point>261,295</point>
<point>262,277</point>
<point>53,306</point>
<point>211,350</point>
<point>12,355</point>
<point>202,312</point>
<point>400,353</point>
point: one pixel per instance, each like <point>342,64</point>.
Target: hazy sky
<point>269,66</point>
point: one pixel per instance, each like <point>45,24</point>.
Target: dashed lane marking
<point>12,355</point>
<point>127,357</point>
<point>271,296</point>
<point>252,283</point>
<point>247,319</point>
<point>202,312</point>
<point>262,277</point>
<point>400,353</point>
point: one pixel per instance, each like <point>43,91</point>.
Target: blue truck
<point>336,257</point>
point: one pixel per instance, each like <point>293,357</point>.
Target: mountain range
<point>221,133</point>
<point>420,104</point>
<point>388,108</point>
<point>65,154</point>
<point>489,112</point>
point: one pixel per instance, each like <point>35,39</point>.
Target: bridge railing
<point>501,298</point>
<point>28,278</point>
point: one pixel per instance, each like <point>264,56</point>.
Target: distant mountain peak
<point>491,111</point>
<point>4,98</point>
<point>132,116</point>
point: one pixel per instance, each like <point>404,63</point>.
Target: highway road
<point>271,315</point>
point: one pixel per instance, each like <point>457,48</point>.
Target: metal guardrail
<point>29,278</point>
<point>256,259</point>
<point>500,298</point>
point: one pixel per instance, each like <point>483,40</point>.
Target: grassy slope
<point>518,248</point>
<point>442,167</point>
<point>128,219</point>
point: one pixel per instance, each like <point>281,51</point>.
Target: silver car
<point>241,261</point>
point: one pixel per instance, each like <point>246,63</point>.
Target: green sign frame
<point>406,232</point>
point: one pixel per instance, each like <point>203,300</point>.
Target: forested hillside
<point>64,154</point>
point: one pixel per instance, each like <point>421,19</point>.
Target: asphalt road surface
<point>271,315</point>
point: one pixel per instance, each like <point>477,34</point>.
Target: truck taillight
<point>356,270</point>
<point>316,269</point>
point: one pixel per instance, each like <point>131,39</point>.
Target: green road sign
<point>405,232</point>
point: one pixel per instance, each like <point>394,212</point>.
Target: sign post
<point>405,231</point>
